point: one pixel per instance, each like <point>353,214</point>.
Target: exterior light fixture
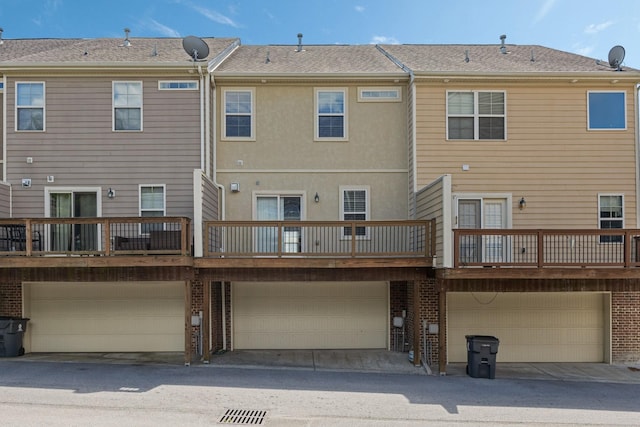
<point>522,203</point>
<point>111,193</point>
<point>316,198</point>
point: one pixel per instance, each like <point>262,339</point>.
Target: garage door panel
<point>121,316</point>
<point>542,327</point>
<point>308,315</point>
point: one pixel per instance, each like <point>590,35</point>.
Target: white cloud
<point>544,10</point>
<point>596,28</point>
<point>359,9</point>
<point>162,29</point>
<point>584,51</point>
<point>215,16</point>
<point>384,40</point>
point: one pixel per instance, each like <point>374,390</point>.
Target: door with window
<point>487,214</point>
<point>278,208</point>
<point>73,237</point>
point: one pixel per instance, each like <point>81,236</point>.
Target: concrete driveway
<point>374,361</point>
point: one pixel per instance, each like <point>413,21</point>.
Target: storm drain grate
<point>243,416</point>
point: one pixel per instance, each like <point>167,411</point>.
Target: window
<point>379,94</point>
<point>606,110</point>
<point>127,106</point>
<point>354,206</point>
<point>610,215</point>
<point>238,120</point>
<point>30,106</point>
<point>178,85</point>
<point>476,115</point>
<point>331,113</point>
<point>152,204</point>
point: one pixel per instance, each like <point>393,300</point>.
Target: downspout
<point>221,200</point>
<point>636,119</point>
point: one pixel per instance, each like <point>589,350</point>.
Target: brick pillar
<point>625,327</point>
<point>11,299</point>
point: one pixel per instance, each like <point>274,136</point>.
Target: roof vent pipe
<point>1,41</point>
<point>503,48</point>
<point>299,43</point>
<point>126,43</point>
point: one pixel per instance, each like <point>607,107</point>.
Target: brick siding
<point>625,327</point>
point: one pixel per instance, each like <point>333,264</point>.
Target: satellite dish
<point>195,47</point>
<point>616,56</point>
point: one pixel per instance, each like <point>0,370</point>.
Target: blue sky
<point>587,27</point>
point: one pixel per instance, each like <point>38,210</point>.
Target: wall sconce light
<point>316,198</point>
<point>111,193</point>
<point>522,203</point>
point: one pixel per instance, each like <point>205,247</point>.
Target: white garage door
<point>104,317</point>
<point>531,327</point>
<point>310,315</point>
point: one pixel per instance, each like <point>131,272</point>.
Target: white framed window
<point>610,215</point>
<point>476,115</point>
<point>238,122</point>
<point>379,94</point>
<point>331,115</point>
<point>152,204</point>
<point>178,85</point>
<point>606,110</point>
<point>354,206</point>
<point>127,106</point>
<point>30,106</point>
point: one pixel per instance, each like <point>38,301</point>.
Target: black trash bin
<point>481,356</point>
<point>12,330</point>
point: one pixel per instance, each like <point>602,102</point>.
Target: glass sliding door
<point>278,208</point>
<point>73,237</point>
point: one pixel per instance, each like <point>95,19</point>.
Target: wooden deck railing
<point>96,236</point>
<point>546,248</point>
<point>338,239</point>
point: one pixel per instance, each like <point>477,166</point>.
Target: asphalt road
<point>92,394</point>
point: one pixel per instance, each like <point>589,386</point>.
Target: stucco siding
<point>286,157</point>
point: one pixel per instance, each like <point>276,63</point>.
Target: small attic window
<point>379,94</point>
<point>178,85</point>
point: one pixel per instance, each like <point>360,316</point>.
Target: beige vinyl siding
<point>549,157</point>
<point>430,205</point>
<point>209,200</point>
<point>80,148</point>
<point>5,200</point>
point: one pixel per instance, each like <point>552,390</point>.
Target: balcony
<point>612,248</point>
<point>116,241</point>
<point>319,243</point>
<point>87,241</point>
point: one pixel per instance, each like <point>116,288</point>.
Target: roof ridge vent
<point>299,49</point>
<point>503,47</point>
<point>126,42</point>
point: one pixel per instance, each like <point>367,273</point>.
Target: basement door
<point>310,315</point>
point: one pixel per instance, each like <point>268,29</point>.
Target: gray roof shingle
<point>315,59</point>
<point>158,51</point>
<point>490,59</point>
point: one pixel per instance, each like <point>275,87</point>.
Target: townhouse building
<point>155,198</point>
